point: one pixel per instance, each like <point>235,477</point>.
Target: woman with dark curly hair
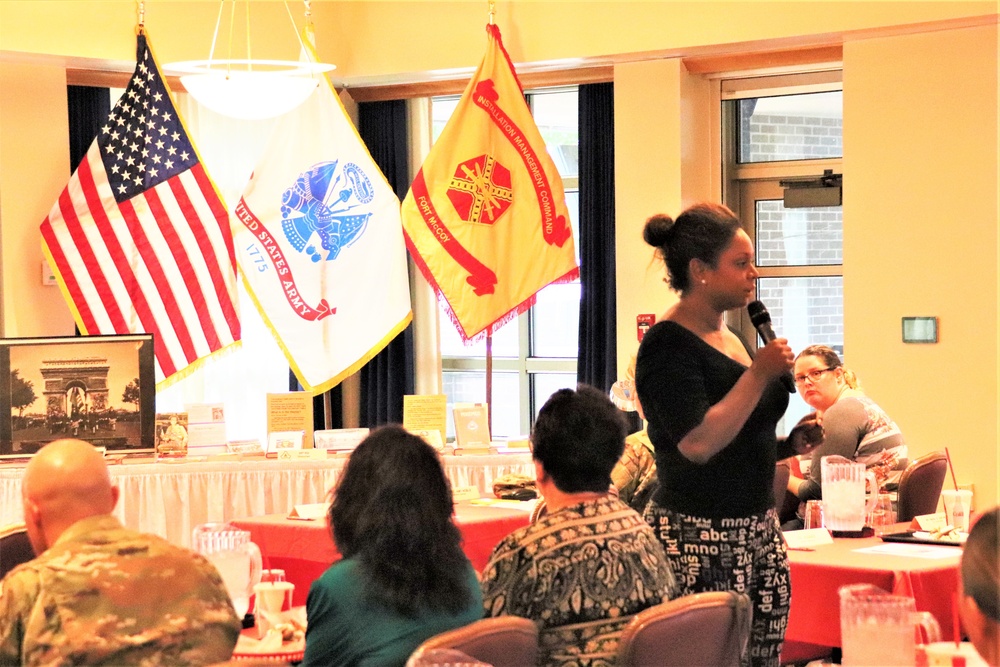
<point>404,577</point>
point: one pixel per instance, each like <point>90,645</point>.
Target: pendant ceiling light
<point>248,88</point>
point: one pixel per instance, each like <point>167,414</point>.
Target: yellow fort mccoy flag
<point>320,244</point>
<point>485,218</point>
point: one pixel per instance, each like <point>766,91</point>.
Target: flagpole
<point>489,382</point>
<point>489,333</point>
<point>327,410</point>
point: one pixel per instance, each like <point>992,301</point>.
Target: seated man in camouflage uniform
<point>99,593</point>
<point>634,476</point>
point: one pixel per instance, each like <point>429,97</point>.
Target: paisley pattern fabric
<point>580,573</point>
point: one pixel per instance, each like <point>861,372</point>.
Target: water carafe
<point>236,558</point>
<point>878,629</point>
<point>844,506</point>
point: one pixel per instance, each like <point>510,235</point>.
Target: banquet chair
<point>701,629</point>
<point>15,547</point>
<point>250,662</point>
<point>782,471</point>
<point>920,486</point>
<point>786,502</point>
<point>504,641</point>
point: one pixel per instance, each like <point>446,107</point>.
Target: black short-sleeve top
<point>678,377</point>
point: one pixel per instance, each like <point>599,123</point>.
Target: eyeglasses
<point>812,376</point>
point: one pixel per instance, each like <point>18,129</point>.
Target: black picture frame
<point>100,389</point>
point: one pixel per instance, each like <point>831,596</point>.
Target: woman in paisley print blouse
<point>587,565</point>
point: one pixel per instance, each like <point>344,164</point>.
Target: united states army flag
<point>485,218</point>
<point>320,244</point>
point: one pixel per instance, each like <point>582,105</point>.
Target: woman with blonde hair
<point>854,426</point>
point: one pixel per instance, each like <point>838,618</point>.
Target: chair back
<point>782,471</point>
<point>15,547</point>
<point>504,641</point>
<point>700,629</point>
<point>920,486</point>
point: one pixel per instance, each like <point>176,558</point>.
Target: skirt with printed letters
<point>743,554</point>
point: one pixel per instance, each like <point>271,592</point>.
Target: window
<point>791,127</point>
<point>779,128</point>
<point>536,354</point>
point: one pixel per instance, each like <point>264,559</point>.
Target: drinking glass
<point>813,517</point>
<point>883,516</point>
<point>272,575</point>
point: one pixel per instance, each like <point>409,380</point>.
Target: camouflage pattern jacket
<point>635,473</point>
<point>106,595</point>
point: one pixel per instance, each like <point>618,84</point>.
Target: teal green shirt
<point>347,628</point>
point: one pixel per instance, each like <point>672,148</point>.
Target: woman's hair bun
<point>658,230</point>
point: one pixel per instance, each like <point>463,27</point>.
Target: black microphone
<point>761,320</point>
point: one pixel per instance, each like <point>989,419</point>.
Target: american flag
<point>140,239</point>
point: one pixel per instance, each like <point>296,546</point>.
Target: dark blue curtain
<point>389,376</point>
<point>319,407</point>
<point>597,362</point>
<point>89,108</point>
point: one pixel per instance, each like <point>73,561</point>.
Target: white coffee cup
<point>274,596</point>
<point>943,654</point>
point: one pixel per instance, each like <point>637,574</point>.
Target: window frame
<point>740,180</point>
<point>737,174</point>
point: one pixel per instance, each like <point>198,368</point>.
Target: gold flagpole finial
<point>492,11</point>
<point>141,11</point>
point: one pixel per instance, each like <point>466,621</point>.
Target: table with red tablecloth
<point>816,576</point>
<point>304,548</point>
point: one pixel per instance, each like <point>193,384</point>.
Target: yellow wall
<point>34,168</point>
<point>662,164</point>
<point>920,237</point>
<point>388,39</point>
<point>920,160</point>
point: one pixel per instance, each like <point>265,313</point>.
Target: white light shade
<point>250,89</point>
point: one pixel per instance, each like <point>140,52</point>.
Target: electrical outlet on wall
<point>48,275</point>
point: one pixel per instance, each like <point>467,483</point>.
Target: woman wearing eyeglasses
<point>855,427</point>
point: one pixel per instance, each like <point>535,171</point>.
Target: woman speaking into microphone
<point>712,410</point>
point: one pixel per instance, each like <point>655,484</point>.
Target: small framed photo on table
<point>281,440</point>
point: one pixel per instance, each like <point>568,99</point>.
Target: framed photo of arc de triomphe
<point>100,389</point>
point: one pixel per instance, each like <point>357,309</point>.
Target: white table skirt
<point>170,499</point>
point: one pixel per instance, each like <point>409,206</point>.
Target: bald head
<point>66,481</point>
